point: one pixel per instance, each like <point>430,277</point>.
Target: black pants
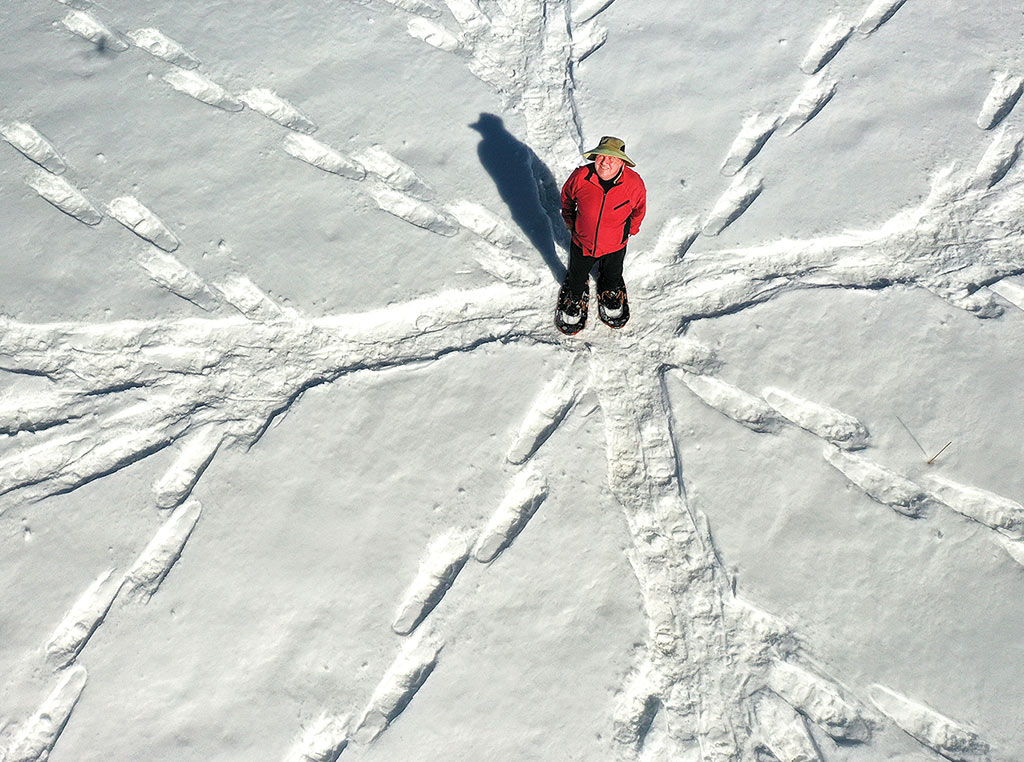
<point>609,272</point>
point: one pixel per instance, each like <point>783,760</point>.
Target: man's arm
<point>639,210</point>
<point>569,203</point>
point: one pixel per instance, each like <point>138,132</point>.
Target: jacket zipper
<point>600,213</point>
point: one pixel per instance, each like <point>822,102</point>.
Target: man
<point>603,204</point>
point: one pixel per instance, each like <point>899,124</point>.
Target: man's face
<point>607,166</point>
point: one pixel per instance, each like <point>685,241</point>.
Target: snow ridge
<point>932,729</point>
<point>835,427</point>
<point>446,556</point>
<point>88,27</point>
<point>323,741</point>
<point>65,196</point>
<point>202,88</point>
<point>158,44</point>
<point>879,12</point>
<point>82,620</point>
<point>1005,92</point>
<point>407,674</point>
<point>830,40</point>
<point>152,566</point>
<point>555,400</point>
<point>30,142</point>
<point>130,212</point>
<point>745,187</point>
<point>36,738</point>
<point>820,700</point>
<point>525,496</point>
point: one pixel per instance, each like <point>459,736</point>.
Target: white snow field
<point>294,464</point>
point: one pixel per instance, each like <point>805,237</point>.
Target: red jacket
<point>602,222</point>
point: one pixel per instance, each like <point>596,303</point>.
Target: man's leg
<point>609,273</point>
<point>580,265</point>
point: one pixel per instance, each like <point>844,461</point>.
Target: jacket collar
<point>593,177</point>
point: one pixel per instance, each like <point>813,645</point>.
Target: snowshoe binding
<point>613,307</point>
<point>571,314</point>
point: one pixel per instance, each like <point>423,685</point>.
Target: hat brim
<point>589,155</point>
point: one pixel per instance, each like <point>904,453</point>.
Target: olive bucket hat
<point>610,146</point>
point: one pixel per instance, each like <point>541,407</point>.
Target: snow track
<point>877,14</point>
<point>673,548</point>
<point>155,562</point>
<point>744,408</point>
<point>737,198</point>
<point>323,157</point>
<point>525,496</point>
<point>994,511</point>
<point>446,556</point>
<point>814,96</point>
<point>156,43</point>
<point>34,145</point>
<point>555,400</point>
<point>65,196</point>
<point>784,731</point>
<point>202,89</point>
<point>1001,155</point>
<point>830,40</point>
<point>821,701</point>
<point>88,27</point>
<point>170,273</point>
<point>82,620</point>
<point>833,426</point>
<point>881,484</point>
<point>274,107</point>
<point>407,674</point>
<point>753,135</point>
<point>1005,92</point>
<point>140,220</point>
<point>36,738</point>
<point>932,729</point>
<point>323,741</point>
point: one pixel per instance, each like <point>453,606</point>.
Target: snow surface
<point>294,465</point>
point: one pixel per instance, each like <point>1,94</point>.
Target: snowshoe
<point>613,307</point>
<point>571,314</point>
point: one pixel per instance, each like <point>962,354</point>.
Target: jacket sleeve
<point>569,201</point>
<point>639,210</point>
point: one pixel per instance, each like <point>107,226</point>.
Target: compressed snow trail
<point>230,373</point>
<point>710,659</point>
<point>239,373</point>
<point>681,580</point>
<point>962,237</point>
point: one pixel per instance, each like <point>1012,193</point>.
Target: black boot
<point>613,307</point>
<point>571,312</point>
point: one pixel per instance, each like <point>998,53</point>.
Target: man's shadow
<point>527,187</point>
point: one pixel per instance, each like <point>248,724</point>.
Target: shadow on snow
<point>526,186</point>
